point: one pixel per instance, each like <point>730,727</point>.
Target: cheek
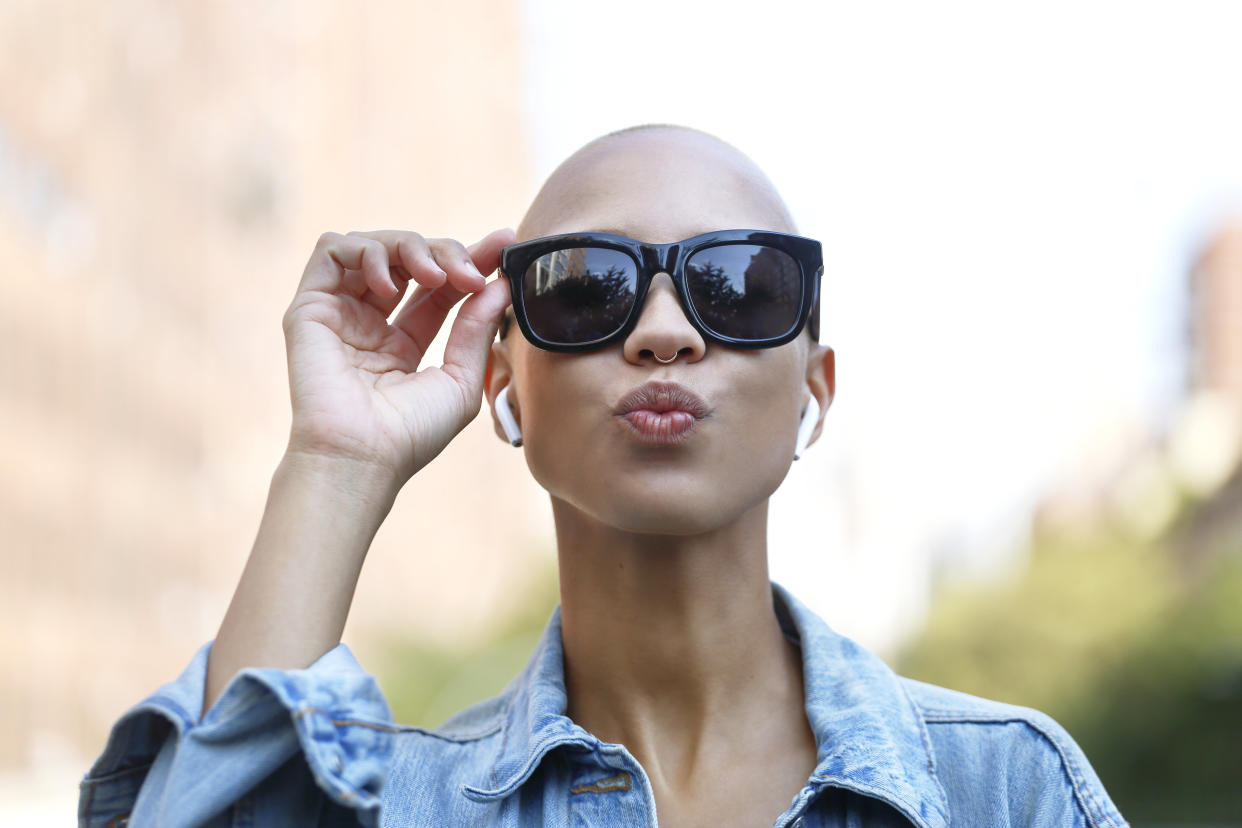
<point>759,437</point>
<point>549,443</point>
<point>558,420</point>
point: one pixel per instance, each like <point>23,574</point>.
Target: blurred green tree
<point>425,683</point>
<point>1135,646</point>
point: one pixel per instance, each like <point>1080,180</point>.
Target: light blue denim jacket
<point>319,747</point>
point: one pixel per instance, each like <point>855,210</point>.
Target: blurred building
<point>1212,455</point>
<point>1141,477</point>
<point>1216,314</point>
<point>165,170</point>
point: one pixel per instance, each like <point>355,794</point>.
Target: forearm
<point>295,592</point>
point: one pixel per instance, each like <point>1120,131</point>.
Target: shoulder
<point>993,757</point>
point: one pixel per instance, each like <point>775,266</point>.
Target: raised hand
<point>355,384</point>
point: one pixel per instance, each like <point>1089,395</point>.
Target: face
<point>659,186</point>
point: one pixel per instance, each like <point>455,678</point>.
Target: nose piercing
<point>664,361</point>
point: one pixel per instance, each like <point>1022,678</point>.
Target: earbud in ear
<point>505,413</point>
<point>810,416</point>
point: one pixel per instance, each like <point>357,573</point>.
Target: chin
<point>665,498</point>
<point>691,508</point>
<point>666,519</point>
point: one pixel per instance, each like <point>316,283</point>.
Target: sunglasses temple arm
<point>813,322</point>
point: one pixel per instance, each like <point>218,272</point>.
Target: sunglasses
<point>741,288</point>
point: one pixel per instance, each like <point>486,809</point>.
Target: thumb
<point>470,338</point>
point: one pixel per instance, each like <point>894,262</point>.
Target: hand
<point>356,388</point>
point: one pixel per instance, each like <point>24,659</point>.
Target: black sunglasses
<point>741,288</point>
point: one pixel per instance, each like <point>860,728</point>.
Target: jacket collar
<point>534,719</point>
<point>871,738</point>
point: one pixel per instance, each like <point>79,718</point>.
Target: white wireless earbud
<point>505,413</point>
<point>810,416</point>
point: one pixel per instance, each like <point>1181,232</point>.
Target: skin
<point>672,647</point>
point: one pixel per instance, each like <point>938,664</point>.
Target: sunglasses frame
<point>669,258</point>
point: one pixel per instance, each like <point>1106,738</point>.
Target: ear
<point>496,376</point>
<point>821,381</point>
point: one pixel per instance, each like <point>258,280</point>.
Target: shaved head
<point>648,157</point>
<point>656,183</point>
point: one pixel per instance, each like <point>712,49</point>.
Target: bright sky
<point>1007,197</point>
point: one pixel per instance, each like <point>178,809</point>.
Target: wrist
<point>371,486</point>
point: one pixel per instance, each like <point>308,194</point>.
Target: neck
<point>672,646</point>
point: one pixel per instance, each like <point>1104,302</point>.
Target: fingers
<point>416,258</point>
<point>429,262</point>
<point>384,304</point>
<point>434,262</point>
<point>470,339</point>
<point>335,255</point>
<point>361,251</point>
<point>425,312</point>
<point>452,255</point>
<point>372,255</point>
<point>486,251</point>
<point>376,267</point>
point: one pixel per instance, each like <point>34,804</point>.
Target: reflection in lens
<point>745,291</point>
<point>579,294</point>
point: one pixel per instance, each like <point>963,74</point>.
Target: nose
<point>663,330</point>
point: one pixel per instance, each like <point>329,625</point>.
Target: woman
<point>674,677</point>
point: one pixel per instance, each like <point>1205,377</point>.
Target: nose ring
<point>664,361</point>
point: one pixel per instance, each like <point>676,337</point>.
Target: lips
<point>661,413</point>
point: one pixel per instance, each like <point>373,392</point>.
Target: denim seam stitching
<point>508,725</point>
<point>303,711</point>
<point>394,728</point>
<point>116,774</point>
<point>533,759</point>
<point>141,709</point>
<point>1083,795</point>
<point>928,750</point>
<point>1090,807</point>
<point>400,728</point>
<point>90,800</point>
<point>456,739</point>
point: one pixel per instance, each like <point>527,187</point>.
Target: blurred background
<point>1030,483</point>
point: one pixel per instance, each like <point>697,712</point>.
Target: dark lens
<point>745,291</point>
<point>579,294</point>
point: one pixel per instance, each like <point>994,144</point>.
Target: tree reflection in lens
<point>579,294</point>
<point>745,291</point>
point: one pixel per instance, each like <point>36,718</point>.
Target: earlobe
<point>830,375</point>
<point>821,378</point>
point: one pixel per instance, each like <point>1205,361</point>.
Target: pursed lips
<point>661,413</point>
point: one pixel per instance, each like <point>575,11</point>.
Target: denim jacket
<point>319,746</point>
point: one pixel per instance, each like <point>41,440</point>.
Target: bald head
<point>658,178</point>
<point>656,183</point>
